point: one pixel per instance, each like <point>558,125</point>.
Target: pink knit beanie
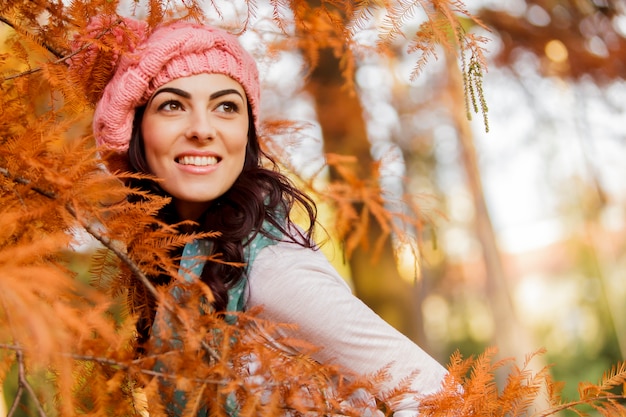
<point>173,50</point>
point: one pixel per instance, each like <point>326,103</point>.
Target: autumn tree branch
<point>108,243</point>
<point>135,363</point>
<point>60,57</point>
<point>50,48</point>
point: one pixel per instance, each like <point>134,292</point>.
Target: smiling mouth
<point>200,161</point>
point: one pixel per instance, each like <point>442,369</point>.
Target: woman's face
<point>195,132</point>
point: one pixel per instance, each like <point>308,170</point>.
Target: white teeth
<point>201,161</point>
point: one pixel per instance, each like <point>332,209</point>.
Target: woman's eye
<point>228,107</point>
<point>170,105</point>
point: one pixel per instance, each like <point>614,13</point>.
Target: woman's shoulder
<point>289,263</point>
<point>290,251</point>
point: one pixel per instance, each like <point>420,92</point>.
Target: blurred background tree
<point>523,225</point>
<point>550,169</point>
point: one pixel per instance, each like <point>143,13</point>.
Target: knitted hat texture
<point>172,51</point>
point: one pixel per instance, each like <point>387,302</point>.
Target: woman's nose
<point>200,127</point>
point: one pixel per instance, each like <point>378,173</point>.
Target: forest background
<point>500,227</point>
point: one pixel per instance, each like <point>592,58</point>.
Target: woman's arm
<point>298,285</point>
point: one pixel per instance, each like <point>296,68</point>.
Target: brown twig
<point>16,400</point>
<point>24,181</point>
<point>23,384</point>
<point>570,405</point>
<point>108,243</point>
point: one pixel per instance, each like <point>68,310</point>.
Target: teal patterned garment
<point>191,265</point>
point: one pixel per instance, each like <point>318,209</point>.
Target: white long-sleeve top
<point>298,285</point>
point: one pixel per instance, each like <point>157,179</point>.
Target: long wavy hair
<point>259,195</point>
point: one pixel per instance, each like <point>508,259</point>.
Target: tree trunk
<point>340,115</point>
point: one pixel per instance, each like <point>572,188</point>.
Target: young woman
<point>184,107</point>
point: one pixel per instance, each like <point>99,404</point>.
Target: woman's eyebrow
<point>221,93</point>
<point>172,90</point>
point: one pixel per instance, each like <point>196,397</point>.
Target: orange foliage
<point>53,189</point>
<point>477,394</point>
